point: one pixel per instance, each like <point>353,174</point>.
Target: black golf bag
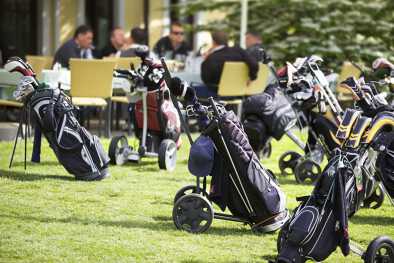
<point>385,163</point>
<point>249,191</point>
<point>266,115</point>
<point>320,223</point>
<point>77,150</point>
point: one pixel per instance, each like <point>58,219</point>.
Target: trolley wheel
<point>380,250</point>
<point>192,213</point>
<point>188,189</point>
<point>167,155</point>
<point>266,151</point>
<point>116,150</point>
<point>307,169</point>
<point>288,161</point>
<point>375,200</point>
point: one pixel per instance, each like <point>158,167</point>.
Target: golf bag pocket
<point>171,121</point>
<point>310,234</point>
<point>303,225</point>
<point>266,188</point>
<point>68,137</point>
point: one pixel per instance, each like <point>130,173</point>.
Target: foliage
<point>338,30</point>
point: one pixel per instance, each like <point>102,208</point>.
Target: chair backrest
<point>348,70</point>
<point>124,62</point>
<point>233,81</point>
<point>39,63</point>
<point>91,78</point>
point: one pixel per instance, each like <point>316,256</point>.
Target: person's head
<point>252,38</point>
<point>219,38</point>
<point>83,36</point>
<point>117,37</point>
<point>177,34</point>
<point>138,36</point>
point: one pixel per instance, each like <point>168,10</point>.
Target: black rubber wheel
<point>375,200</point>
<point>167,155</point>
<point>307,169</point>
<point>116,147</point>
<point>192,213</point>
<point>266,151</point>
<point>380,250</point>
<point>288,161</point>
<point>188,189</point>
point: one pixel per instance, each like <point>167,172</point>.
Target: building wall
<point>68,19</point>
<point>158,20</point>
<point>65,15</point>
<point>133,14</point>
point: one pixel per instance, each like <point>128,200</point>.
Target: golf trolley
<point>320,223</point>
<point>308,89</point>
<point>156,122</point>
<point>247,189</point>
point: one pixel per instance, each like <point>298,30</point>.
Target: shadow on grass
<point>213,230</point>
<point>372,220</point>
<point>26,176</point>
<point>46,163</point>
<point>269,258</point>
<point>162,223</point>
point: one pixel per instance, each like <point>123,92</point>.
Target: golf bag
<point>320,224</point>
<point>77,150</point>
<point>249,191</point>
<point>265,115</point>
<point>163,120</point>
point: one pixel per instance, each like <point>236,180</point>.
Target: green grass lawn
<point>47,216</point>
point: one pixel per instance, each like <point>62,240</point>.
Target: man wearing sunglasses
<point>173,46</point>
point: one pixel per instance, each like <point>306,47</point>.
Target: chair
<point>10,103</point>
<point>124,62</point>
<point>39,63</point>
<point>348,70</point>
<point>91,85</point>
<point>233,83</point>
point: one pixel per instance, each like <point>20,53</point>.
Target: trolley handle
<point>213,105</point>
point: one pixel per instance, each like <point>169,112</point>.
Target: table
<point>63,77</point>
<point>8,82</point>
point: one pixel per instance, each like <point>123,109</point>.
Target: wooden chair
<point>39,63</point>
<point>91,85</point>
<point>348,70</point>
<point>233,83</point>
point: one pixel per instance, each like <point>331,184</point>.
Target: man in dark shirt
<point>255,48</point>
<point>173,46</point>
<point>115,44</point>
<point>137,38</point>
<point>80,46</point>
<point>212,67</point>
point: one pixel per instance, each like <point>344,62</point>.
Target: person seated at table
<point>80,46</point>
<point>174,45</point>
<point>254,47</point>
<point>217,55</point>
<point>137,39</point>
<point>115,43</point>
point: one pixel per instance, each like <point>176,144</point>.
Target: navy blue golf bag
<point>80,152</point>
